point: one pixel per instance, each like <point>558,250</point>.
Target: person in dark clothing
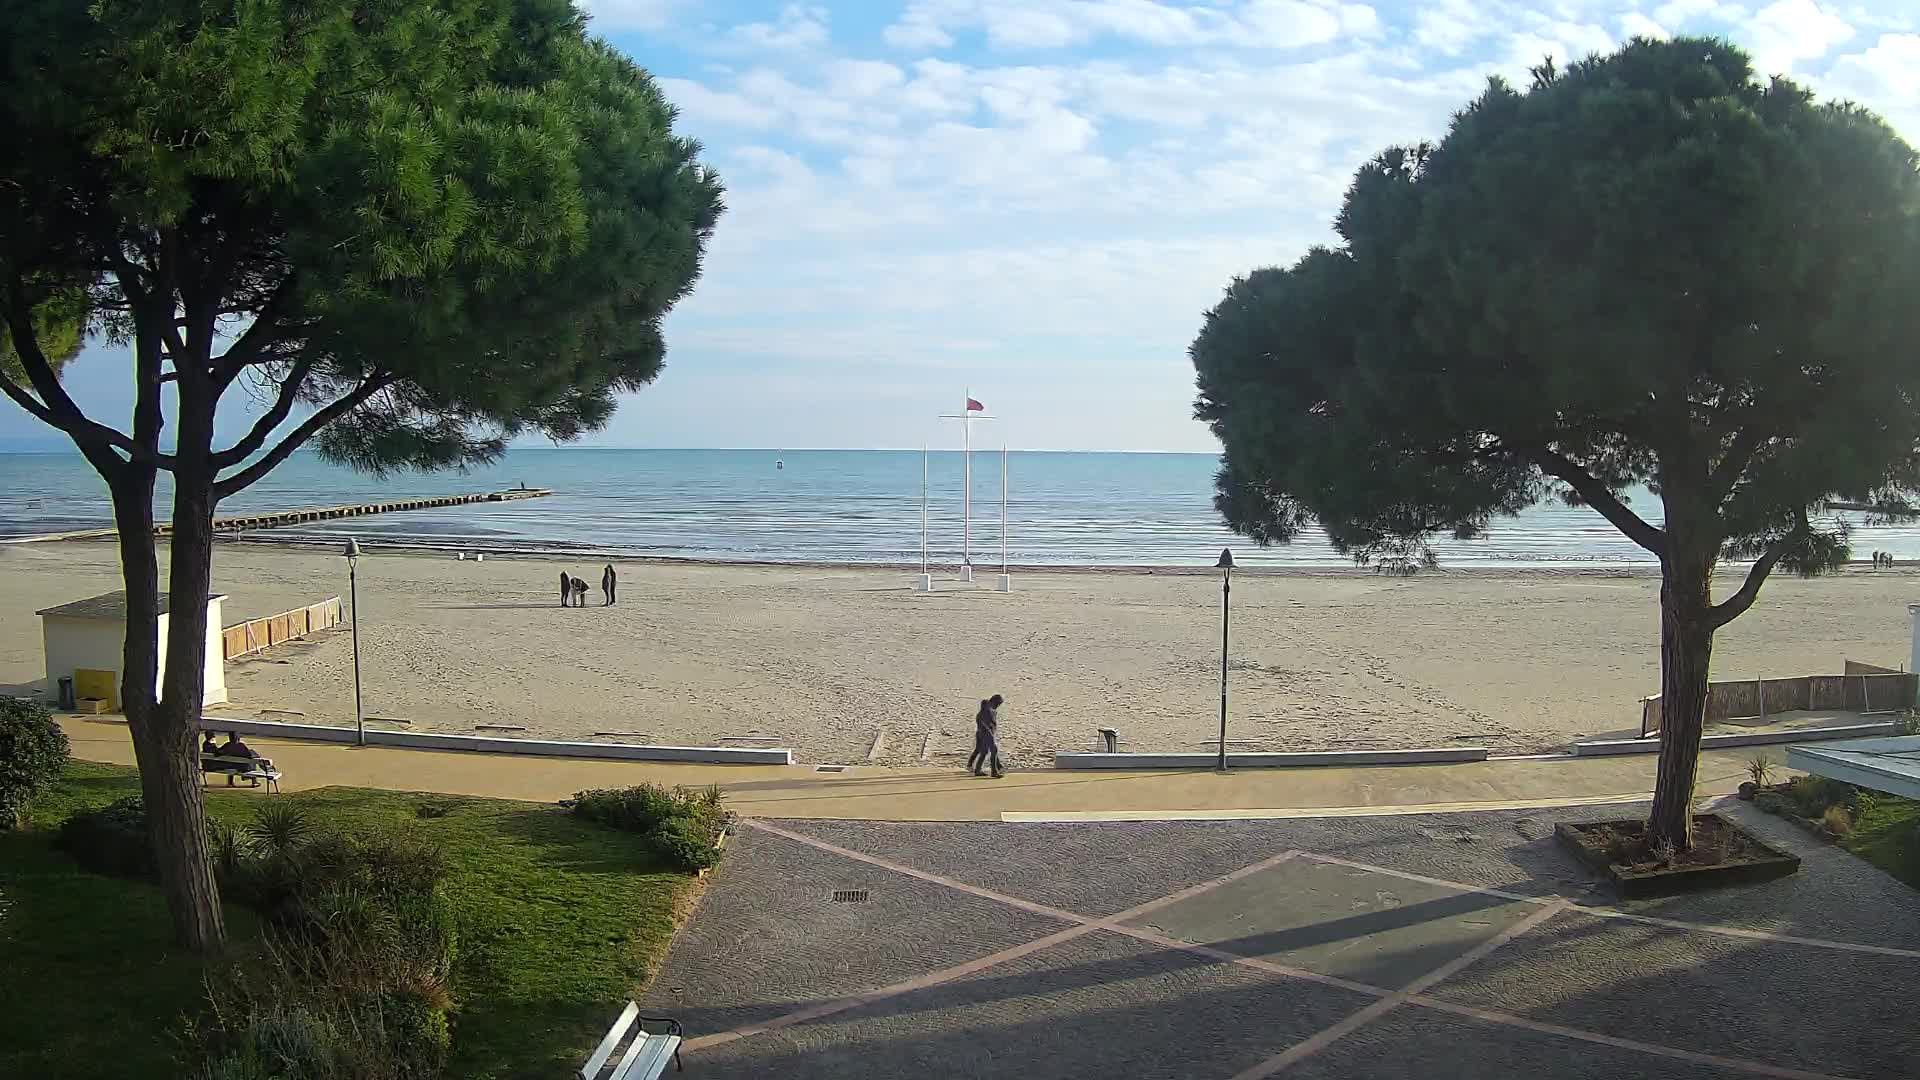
<point>211,746</point>
<point>986,731</point>
<point>566,588</point>
<point>607,582</point>
<point>233,747</point>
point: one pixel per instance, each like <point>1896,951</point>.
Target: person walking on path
<point>986,732</point>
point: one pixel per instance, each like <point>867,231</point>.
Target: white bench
<point>252,770</point>
<point>647,1054</point>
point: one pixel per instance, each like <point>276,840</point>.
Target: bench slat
<point>647,1058</point>
<point>591,1070</point>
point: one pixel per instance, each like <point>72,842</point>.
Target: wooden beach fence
<point>1863,688</point>
<point>243,639</point>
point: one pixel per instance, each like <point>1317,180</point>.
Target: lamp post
<point>1226,607</point>
<point>353,593</point>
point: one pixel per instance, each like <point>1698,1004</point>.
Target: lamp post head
<point>1226,559</point>
<point>352,551</point>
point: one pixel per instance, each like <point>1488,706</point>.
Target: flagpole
<point>925,480</point>
<point>1003,507</point>
<point>966,442</point>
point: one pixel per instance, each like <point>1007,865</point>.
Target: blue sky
<point>1037,199</point>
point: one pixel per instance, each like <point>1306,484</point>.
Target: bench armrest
<point>672,1025</point>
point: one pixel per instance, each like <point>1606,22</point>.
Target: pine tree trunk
<point>1686,653</point>
<point>180,831</point>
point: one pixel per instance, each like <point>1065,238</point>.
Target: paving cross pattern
<point>1463,945</point>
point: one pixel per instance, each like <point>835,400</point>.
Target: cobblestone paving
<point>1462,946</point>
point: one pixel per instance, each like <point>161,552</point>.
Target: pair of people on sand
<point>573,591</point>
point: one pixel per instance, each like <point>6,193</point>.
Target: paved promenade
<point>877,793</point>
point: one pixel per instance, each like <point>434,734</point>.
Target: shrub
<point>1837,820</point>
<point>360,948</point>
<point>687,843</point>
<point>110,840</point>
<point>33,750</point>
<point>641,808</point>
<point>1761,770</point>
<point>681,826</point>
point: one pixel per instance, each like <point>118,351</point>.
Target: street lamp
<point>1225,566</point>
<point>353,593</point>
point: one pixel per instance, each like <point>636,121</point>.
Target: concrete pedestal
<point>923,583</point>
<point>966,572</point>
<point>1005,584</point>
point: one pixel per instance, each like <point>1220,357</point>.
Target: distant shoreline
<point>940,570</point>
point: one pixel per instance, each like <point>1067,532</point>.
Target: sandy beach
<point>849,665</point>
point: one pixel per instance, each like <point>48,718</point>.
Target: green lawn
<point>559,922</point>
<point>1890,838</point>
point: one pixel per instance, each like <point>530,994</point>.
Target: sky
<point>1037,200</point>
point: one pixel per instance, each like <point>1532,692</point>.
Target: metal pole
<point>925,472</point>
<point>1003,508</point>
<point>353,591</point>
<point>1226,602</point>
<point>966,442</point>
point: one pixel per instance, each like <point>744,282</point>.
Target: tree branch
<point>243,479</point>
<point>54,407</point>
<point>273,418</point>
<point>1736,605</point>
<point>1598,496</point>
<point>262,332</point>
<point>1746,443</point>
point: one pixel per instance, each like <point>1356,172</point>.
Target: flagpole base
<point>923,583</point>
<point>1005,584</point>
<point>966,572</point>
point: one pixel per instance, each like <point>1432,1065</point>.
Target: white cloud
<point>1054,24</point>
<point>1451,25</point>
<point>701,107</point>
<point>1679,12</point>
<point>800,26</point>
<point>1789,31</point>
<point>1633,24</point>
<point>1886,77</point>
<point>612,15</point>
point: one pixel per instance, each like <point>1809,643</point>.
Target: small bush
<point>33,750</point>
<point>686,843</point>
<point>681,826</point>
<point>110,840</point>
<point>1837,820</point>
<point>1761,770</point>
<point>1773,802</point>
<point>360,948</point>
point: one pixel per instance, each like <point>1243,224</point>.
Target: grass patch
<point>558,921</point>
<point>1888,836</point>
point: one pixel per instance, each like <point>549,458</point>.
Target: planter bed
<point>1722,854</point>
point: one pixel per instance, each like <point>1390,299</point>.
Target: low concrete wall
<point>1603,748</point>
<point>1255,760</point>
<point>420,740</point>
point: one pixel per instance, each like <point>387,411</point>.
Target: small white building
<point>90,635</point>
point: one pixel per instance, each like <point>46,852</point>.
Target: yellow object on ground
<point>99,685</point>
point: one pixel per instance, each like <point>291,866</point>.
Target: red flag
<point>974,406</point>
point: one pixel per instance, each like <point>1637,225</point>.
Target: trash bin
<point>67,701</point>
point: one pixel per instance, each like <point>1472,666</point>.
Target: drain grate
<point>829,768</point>
<point>850,896</point>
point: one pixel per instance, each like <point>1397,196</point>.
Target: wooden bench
<point>253,770</point>
<point>646,1055</point>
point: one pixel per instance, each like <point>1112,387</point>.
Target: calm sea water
<point>858,506</point>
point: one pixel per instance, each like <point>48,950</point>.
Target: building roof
<point>112,605</point>
<point>1890,765</point>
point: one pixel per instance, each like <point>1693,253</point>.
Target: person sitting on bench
<point>209,748</point>
<point>233,747</point>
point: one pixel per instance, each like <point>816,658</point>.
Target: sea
<point>860,507</point>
